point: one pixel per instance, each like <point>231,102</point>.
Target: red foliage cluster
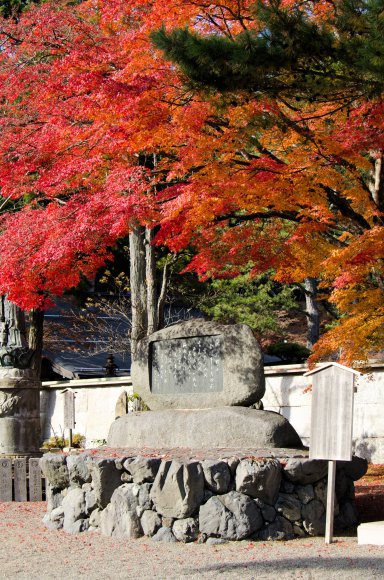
<point>85,102</point>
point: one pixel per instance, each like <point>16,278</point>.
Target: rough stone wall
<point>211,500</point>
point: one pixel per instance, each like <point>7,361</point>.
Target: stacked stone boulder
<point>209,500</point>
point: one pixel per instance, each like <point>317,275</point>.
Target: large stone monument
<point>204,383</point>
<point>205,464</point>
<point>19,387</point>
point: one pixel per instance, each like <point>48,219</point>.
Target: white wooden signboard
<point>333,386</point>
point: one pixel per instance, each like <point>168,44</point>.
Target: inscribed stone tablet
<point>5,480</point>
<point>187,365</point>
<point>20,479</point>
<point>199,365</point>
<point>35,480</point>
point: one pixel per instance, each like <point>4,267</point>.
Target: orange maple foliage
<point>248,181</point>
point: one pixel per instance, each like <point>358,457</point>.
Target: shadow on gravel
<point>317,564</point>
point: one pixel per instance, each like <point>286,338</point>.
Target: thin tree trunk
<point>150,266</point>
<point>35,338</point>
<point>312,311</point>
<point>376,184</point>
<point>138,286</point>
<point>162,296</point>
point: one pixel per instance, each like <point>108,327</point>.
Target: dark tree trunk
<point>137,276</point>
<point>35,338</point>
<point>150,265</point>
<point>312,311</point>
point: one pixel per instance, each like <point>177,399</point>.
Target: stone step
<point>371,533</point>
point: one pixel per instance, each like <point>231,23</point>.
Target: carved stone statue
<point>14,351</point>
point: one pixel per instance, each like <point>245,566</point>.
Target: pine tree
<point>289,53</point>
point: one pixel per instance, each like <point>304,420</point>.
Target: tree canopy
<point>289,180</point>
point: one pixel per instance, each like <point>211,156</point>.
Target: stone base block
<point>203,428</point>
<point>371,533</point>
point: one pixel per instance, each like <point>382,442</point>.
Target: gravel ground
<point>28,550</point>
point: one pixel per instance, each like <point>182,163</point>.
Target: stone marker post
<point>69,413</point>
<point>19,387</point>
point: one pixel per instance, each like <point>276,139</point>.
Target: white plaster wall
<point>95,403</point>
<point>286,393</point>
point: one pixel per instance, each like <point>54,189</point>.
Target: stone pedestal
<point>19,412</point>
<point>204,429</point>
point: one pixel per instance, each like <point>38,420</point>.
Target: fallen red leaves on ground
<point>370,494</point>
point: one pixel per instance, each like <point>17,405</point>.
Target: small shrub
<point>56,442</point>
<point>137,403</point>
<point>289,351</point>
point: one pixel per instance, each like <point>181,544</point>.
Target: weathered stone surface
<point>259,479</point>
<point>54,468</point>
<point>74,509</point>
<point>94,518</point>
<point>232,516</point>
<point>106,478</point>
<point>119,519</point>
<point>53,524</point>
<point>243,377</point>
<point>119,462</point>
<point>150,522</point>
<point>341,483</point>
<point>186,530</point>
<point>144,496</point>
<point>305,493</point>
<point>78,469</point>
<point>313,514</point>
<point>164,535</point>
<point>121,407</point>
<point>215,541</point>
<point>217,475</point>
<point>267,511</point>
<point>178,489</point>
<point>143,469</point>
<point>305,471</point>
<point>347,516</point>
<point>90,501</point>
<point>19,412</point>
<point>279,529</point>
<point>167,522</point>
<point>54,497</point>
<point>320,491</point>
<point>232,463</point>
<point>202,429</point>
<point>289,507</point>
<point>298,531</point>
<point>81,525</point>
<point>287,486</point>
<point>57,514</point>
<point>354,469</point>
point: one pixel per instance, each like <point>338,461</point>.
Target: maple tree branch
<point>286,215</point>
<point>344,206</point>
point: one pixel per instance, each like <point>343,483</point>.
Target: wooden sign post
<point>333,386</point>
<point>69,413</point>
